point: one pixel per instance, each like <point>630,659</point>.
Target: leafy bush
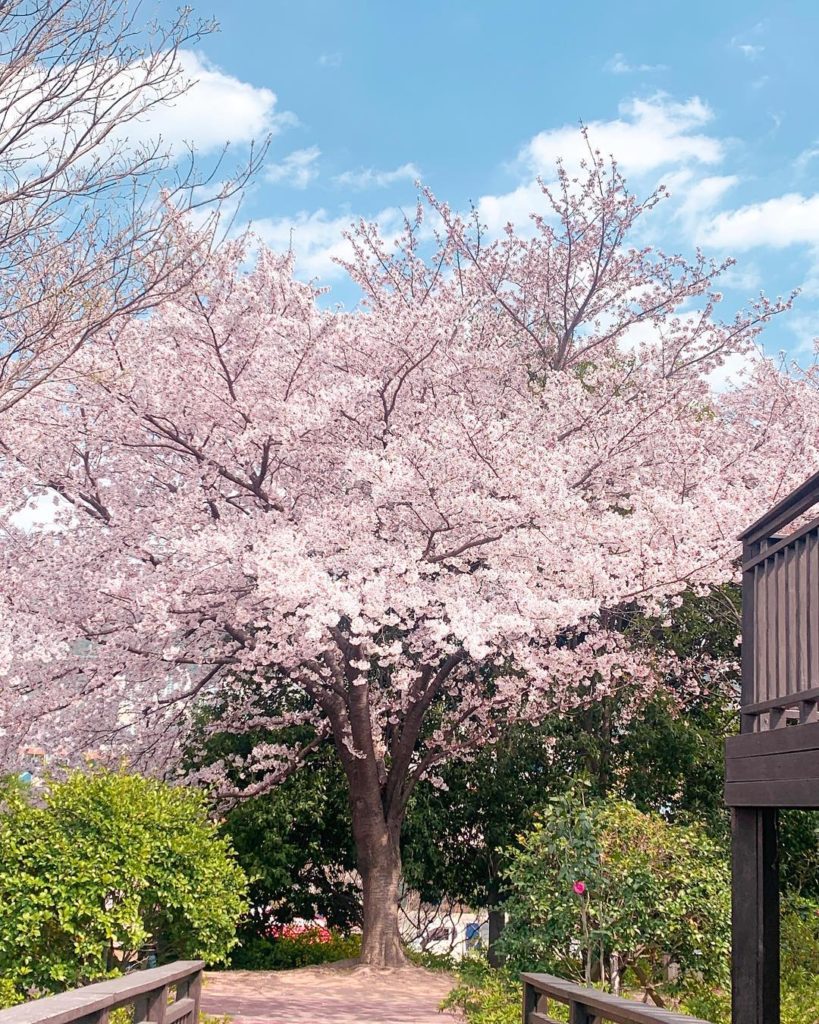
<point>294,946</point>
<point>99,866</point>
<point>9,996</point>
<point>593,881</point>
<point>485,995</point>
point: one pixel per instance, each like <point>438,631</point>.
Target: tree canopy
<point>412,524</point>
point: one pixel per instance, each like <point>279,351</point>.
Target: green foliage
<point>9,995</point>
<point>265,953</point>
<point>650,889</point>
<point>443,962</point>
<point>648,752</point>
<point>95,867</point>
<point>484,995</point>
<point>295,844</point>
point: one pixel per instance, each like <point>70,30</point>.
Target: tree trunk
<point>497,922</point>
<point>379,863</point>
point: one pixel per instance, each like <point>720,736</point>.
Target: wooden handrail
<point>588,1005</point>
<point>149,992</point>
<point>785,511</point>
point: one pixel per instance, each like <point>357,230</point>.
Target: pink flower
<point>579,888</point>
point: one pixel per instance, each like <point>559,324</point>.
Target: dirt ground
<point>332,994</point>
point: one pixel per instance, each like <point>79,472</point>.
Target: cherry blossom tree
<point>395,527</point>
<point>89,214</point>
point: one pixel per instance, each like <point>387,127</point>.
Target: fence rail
<point>588,1005</point>
<point>780,598</point>
<point>163,995</point>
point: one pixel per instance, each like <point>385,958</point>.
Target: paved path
<point>331,994</point>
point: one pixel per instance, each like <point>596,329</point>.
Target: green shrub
<point>9,996</point>
<point>590,881</point>
<point>102,864</point>
<point>303,948</point>
<point>432,961</point>
<point>484,995</point>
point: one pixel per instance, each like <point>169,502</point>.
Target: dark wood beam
<point>755,916</point>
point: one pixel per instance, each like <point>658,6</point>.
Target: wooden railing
<point>148,992</point>
<point>588,1005</point>
<point>780,615</point>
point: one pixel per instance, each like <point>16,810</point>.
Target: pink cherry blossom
<point>353,521</point>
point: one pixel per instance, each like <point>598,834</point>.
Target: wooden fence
<point>780,600</point>
<point>588,1005</point>
<point>164,995</point>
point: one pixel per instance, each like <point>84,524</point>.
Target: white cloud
<point>618,65</point>
<point>218,108</point>
<point>785,220</point>
<point>329,60</point>
<point>317,238</point>
<point>694,195</point>
<point>735,366</point>
<point>750,50</point>
<point>512,207</point>
<point>368,177</point>
<point>297,169</point>
<point>649,135</point>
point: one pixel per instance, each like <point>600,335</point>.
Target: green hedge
<point>286,952</point>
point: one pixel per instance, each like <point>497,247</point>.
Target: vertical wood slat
<point>812,563</point>
<point>781,615</point>
<point>758,614</point>
<point>803,631</point>
<point>790,679</point>
<point>770,597</point>
<point>781,624</point>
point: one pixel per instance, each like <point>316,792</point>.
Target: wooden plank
<point>760,744</point>
<point>754,631</point>
<point>785,511</point>
<point>178,1009</point>
<point>790,677</point>
<point>611,1008</point>
<point>750,561</point>
<point>755,917</point>
<point>781,631</point>
<point>800,793</point>
<point>541,1018</point>
<point>812,585</point>
<point>803,681</point>
<point>792,764</point>
<point>787,701</point>
<point>90,1000</point>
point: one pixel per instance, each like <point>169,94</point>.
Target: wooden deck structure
<point>164,995</point>
<point>774,762</point>
<point>589,1005</point>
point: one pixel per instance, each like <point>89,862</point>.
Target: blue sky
<point>718,100</point>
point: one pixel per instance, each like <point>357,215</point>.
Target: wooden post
<point>755,916</point>
<point>530,998</point>
<point>191,988</point>
<point>153,1006</point>
<point>580,1014</point>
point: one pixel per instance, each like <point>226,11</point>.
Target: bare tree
<point>92,223</point>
